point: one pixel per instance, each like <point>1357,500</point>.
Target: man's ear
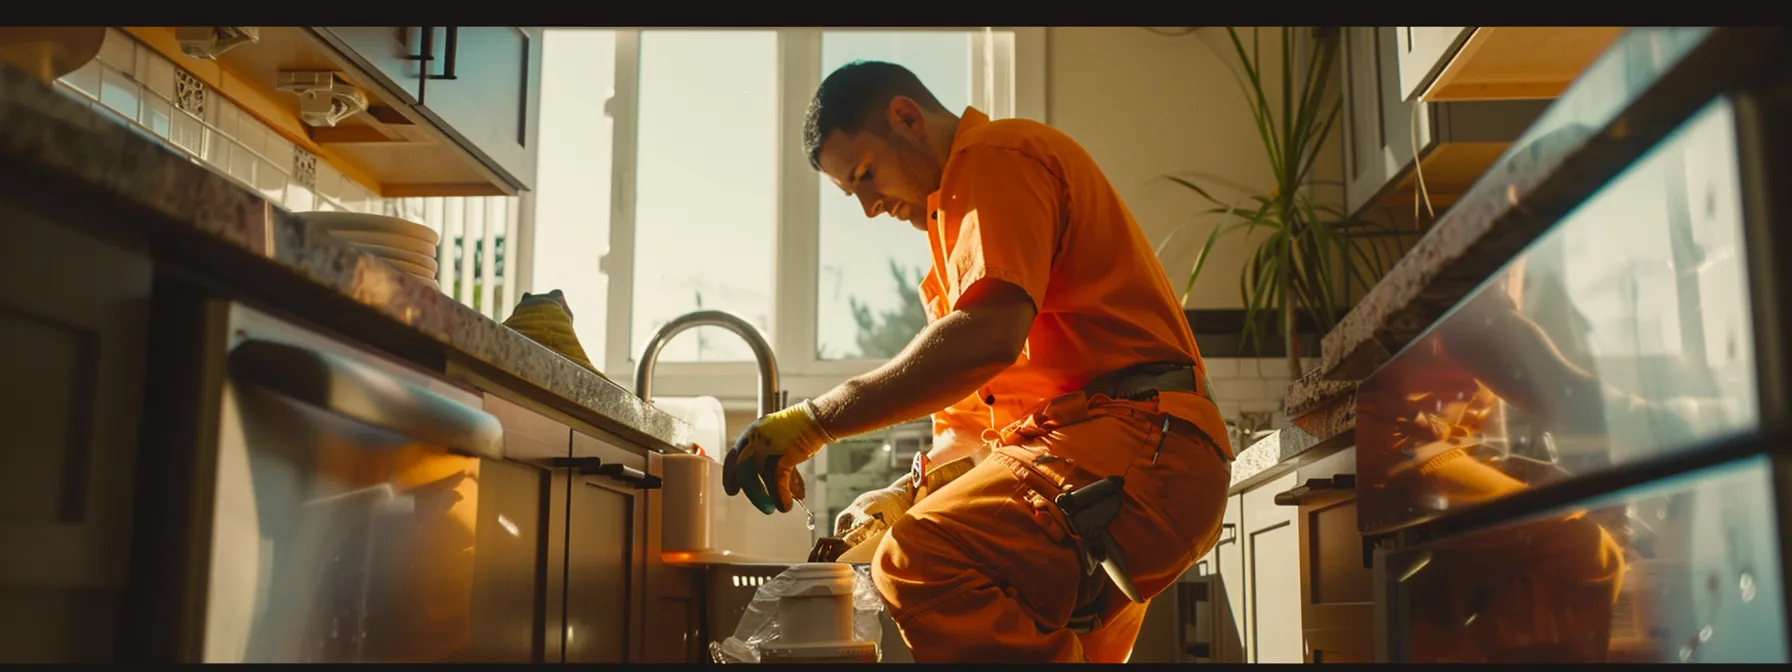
<point>906,119</point>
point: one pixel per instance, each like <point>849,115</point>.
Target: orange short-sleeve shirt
<point>1023,203</point>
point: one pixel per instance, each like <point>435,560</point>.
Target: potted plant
<point>1312,256</point>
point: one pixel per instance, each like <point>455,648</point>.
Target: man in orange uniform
<point>1054,337</point>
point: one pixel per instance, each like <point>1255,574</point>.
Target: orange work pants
<point>985,569</point>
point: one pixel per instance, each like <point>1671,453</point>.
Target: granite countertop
<point>49,142</point>
<point>1649,81</point>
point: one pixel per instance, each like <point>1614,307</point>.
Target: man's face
<point>890,171</point>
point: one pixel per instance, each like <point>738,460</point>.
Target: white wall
<point>1147,104</point>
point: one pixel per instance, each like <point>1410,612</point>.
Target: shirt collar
<point>969,119</point>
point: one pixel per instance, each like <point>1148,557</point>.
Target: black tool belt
<point>1141,381</point>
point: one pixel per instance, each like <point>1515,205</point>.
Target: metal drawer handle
<point>1224,539</point>
<point>638,478</point>
<point>592,466</point>
<point>1299,493</point>
<point>365,394</point>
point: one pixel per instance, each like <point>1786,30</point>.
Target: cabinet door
<point>519,594</point>
<point>1423,53</point>
<point>386,53</point>
<point>1272,576</point>
<point>1228,601</point>
<point>491,103</point>
<point>674,604</point>
<point>73,315</point>
<point>605,558</point>
<point>1378,122</point>
<point>1336,588</point>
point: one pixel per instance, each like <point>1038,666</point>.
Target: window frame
<point>1012,56</point>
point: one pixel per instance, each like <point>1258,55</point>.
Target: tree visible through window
<point>884,333</point>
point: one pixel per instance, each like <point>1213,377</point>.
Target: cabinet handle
<point>365,394</point>
<point>1299,493</point>
<point>640,479</point>
<point>584,466</point>
<point>449,51</point>
<point>1224,528</point>
<point>428,52</point>
<point>592,466</point>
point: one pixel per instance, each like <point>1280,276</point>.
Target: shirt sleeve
<point>1003,217</point>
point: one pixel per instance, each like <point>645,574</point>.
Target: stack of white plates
<point>406,246</point>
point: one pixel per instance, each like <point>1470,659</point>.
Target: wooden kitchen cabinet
<point>71,390</point>
<point>491,102</point>
<point>388,53</point>
<point>606,544</point>
<point>519,594</point>
<point>1385,135</point>
<point>1497,63</point>
<point>1336,586</point>
<point>1423,51</point>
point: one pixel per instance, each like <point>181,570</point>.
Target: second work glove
<point>763,461</point>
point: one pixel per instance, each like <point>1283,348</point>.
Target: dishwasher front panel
<point>337,534</point>
<point>1682,569</point>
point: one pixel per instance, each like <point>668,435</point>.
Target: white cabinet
<point>1423,53</point>
<point>1253,576</point>
<point>1271,547</point>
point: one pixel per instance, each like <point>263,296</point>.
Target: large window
<point>706,186</point>
<point>867,306</point>
<point>708,202</point>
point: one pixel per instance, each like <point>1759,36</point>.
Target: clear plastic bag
<point>759,625</point>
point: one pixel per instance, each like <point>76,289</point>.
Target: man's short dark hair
<point>851,98</point>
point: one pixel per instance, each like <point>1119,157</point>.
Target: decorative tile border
<point>146,92</point>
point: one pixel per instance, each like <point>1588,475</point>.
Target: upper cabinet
<point>1422,51</point>
<point>484,89</point>
<point>1386,136</point>
<point>1488,63</point>
<point>387,55</point>
<point>447,112</point>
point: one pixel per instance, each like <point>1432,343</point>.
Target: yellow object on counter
<point>547,319</point>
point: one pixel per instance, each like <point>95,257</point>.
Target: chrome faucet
<point>771,399</point>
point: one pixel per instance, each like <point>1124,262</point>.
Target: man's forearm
<point>946,362</point>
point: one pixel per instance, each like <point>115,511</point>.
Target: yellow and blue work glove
<point>763,461</point>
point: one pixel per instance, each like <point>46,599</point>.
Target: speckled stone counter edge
<point>1613,112</point>
<point>46,134</point>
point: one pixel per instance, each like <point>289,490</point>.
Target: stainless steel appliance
<point>1584,460</point>
<point>345,489</point>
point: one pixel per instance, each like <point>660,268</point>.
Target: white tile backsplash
<point>154,116</point>
<point>278,151</point>
<point>119,50</point>
<point>118,92</point>
<point>251,136</point>
<point>86,80</point>
<point>160,77</point>
<point>1221,367</point>
<point>1257,406</point>
<point>1247,368</point>
<point>300,199</point>
<point>270,181</point>
<point>187,132</point>
<point>242,164</point>
<point>158,97</point>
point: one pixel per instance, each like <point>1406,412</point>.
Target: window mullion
<point>618,264</point>
<point>798,233</point>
